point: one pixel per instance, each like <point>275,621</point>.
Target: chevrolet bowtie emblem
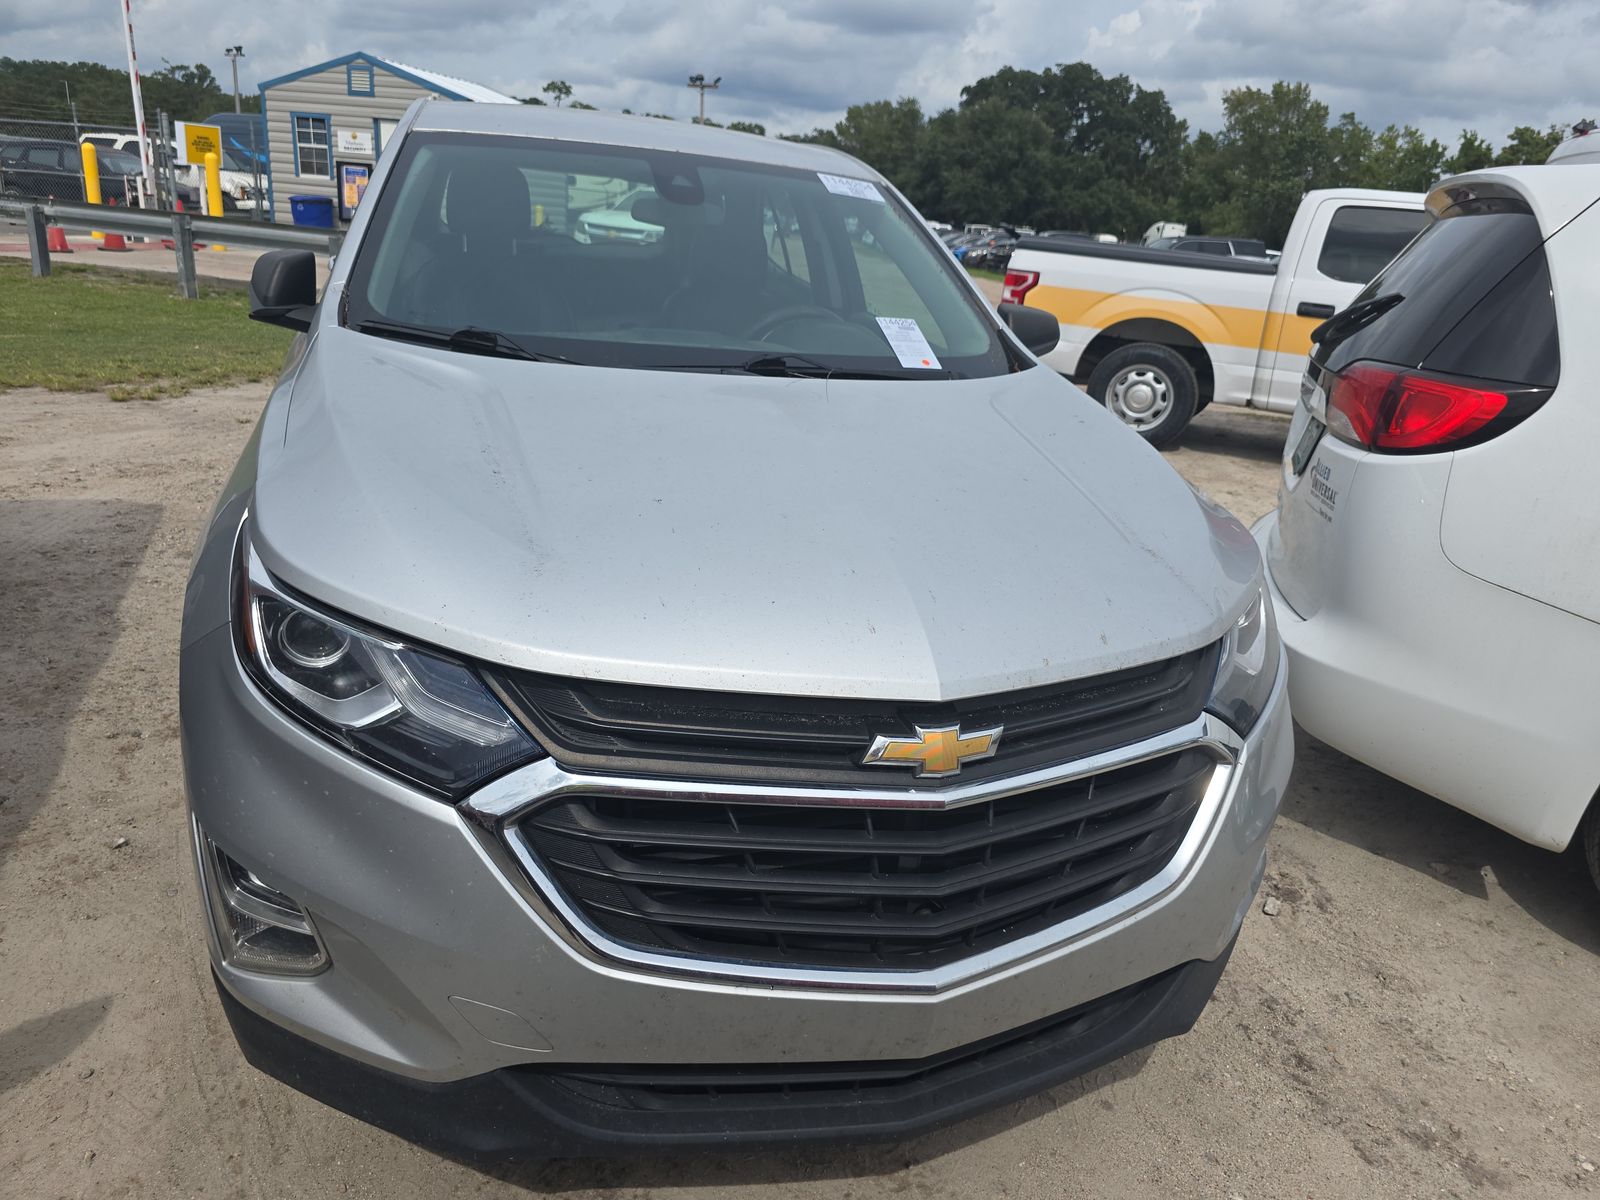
<point>934,752</point>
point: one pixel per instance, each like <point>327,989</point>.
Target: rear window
<point>1477,301</point>
<point>1362,240</point>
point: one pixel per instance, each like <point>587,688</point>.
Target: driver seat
<point>488,273</point>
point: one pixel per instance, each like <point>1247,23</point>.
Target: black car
<point>993,251</point>
<point>1222,247</point>
<point>42,170</point>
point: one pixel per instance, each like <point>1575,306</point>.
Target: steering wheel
<point>792,312</point>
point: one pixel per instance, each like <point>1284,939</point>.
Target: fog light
<point>259,928</point>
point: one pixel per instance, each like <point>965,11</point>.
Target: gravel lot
<point>1417,1019</point>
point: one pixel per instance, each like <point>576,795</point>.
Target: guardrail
<point>180,228</point>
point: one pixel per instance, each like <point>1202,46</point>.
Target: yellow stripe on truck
<point>1250,328</point>
<point>1289,335</point>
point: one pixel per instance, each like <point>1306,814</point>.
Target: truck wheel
<point>1151,388</point>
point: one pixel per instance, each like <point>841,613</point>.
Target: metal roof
<point>446,85</point>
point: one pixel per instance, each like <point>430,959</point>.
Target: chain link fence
<point>43,160</point>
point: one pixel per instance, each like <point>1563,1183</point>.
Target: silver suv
<point>710,687</point>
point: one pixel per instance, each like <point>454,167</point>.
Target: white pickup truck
<point>1156,335</point>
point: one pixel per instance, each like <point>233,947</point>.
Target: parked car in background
<point>1164,229</point>
<point>246,135</point>
<point>586,748</point>
<point>235,176</point>
<point>42,169</point>
<point>1156,335</point>
<point>1222,247</point>
<point>991,251</point>
<point>1434,558</point>
<point>619,222</point>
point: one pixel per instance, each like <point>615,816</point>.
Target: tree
<point>531,100</point>
<point>1116,148</point>
<point>1274,146</point>
<point>886,135</point>
<point>1529,145</point>
<point>1349,146</point>
<point>747,127</point>
<point>34,88</point>
<point>1473,154</point>
<point>1402,160</point>
<point>579,104</point>
<point>558,90</point>
<point>986,162</point>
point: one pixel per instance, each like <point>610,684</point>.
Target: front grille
<point>669,732</point>
<point>868,888</point>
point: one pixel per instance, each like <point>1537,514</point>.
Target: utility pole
<point>235,53</point>
<point>73,109</point>
<point>698,82</point>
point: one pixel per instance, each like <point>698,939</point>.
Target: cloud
<point>795,64</point>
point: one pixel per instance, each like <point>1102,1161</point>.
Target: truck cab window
<point>1362,240</point>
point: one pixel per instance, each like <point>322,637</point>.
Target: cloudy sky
<point>1439,64</point>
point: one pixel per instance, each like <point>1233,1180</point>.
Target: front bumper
<point>443,973</point>
<point>550,1112</point>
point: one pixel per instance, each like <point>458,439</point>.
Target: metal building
<point>326,124</point>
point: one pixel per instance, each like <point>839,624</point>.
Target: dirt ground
<point>1418,1019</point>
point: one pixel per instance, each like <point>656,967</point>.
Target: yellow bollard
<point>214,189</point>
<point>91,180</point>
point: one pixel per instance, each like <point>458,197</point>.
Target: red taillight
<point>1017,286</point>
<point>1382,408</point>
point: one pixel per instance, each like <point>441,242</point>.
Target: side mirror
<point>283,288</point>
<point>1036,329</point>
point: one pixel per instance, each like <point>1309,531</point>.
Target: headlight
<point>409,710</point>
<point>1248,667</point>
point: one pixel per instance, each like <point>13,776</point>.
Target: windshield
<point>119,162</point>
<point>628,257</point>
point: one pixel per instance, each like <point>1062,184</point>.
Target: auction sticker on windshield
<point>906,340</point>
<point>859,188</point>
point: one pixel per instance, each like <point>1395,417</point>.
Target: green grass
<point>82,330</point>
<point>982,273</point>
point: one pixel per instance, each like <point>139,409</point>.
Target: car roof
<point>634,132</point>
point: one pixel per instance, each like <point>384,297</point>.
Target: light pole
<point>699,83</point>
<point>235,53</point>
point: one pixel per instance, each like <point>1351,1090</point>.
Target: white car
<point>1434,561</point>
<point>1582,147</point>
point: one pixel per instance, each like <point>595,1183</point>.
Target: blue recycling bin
<point>316,211</point>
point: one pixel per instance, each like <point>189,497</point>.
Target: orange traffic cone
<point>55,239</point>
<point>114,241</point>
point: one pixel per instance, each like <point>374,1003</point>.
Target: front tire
<point>1152,389</point>
<point>1590,832</point>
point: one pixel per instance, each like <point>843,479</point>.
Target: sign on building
<point>353,141</point>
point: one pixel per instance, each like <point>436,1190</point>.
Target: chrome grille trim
<point>493,811</point>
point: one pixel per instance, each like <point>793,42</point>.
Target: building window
<point>358,79</point>
<point>311,147</point>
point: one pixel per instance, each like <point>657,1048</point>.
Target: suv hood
<point>893,540</point>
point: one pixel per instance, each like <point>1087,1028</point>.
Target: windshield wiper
<point>470,340</point>
<point>798,366</point>
<point>1354,319</point>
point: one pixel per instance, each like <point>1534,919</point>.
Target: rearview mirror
<point>283,288</point>
<point>1036,329</point>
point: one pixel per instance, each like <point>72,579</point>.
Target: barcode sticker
<point>858,188</point>
<point>909,346</point>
